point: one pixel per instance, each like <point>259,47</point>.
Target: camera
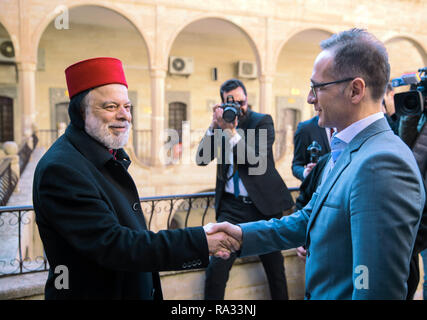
<point>414,101</point>
<point>314,149</point>
<point>231,109</point>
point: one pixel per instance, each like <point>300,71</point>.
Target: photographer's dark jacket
<point>90,221</point>
<point>307,132</point>
<point>268,191</point>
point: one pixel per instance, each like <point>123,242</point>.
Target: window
<point>177,114</point>
<point>6,119</point>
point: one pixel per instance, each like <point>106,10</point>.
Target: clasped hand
<point>223,239</point>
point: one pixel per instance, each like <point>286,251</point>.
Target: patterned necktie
<point>337,146</point>
<point>236,183</point>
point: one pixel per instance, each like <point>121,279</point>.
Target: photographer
<point>307,132</point>
<point>242,194</point>
<point>412,108</point>
<point>389,110</point>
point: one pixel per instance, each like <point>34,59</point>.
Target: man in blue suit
<point>360,225</point>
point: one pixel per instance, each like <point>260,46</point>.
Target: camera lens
<point>229,114</point>
<point>410,104</point>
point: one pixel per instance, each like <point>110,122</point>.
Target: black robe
<point>90,221</point>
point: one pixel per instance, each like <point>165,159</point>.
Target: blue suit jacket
<point>360,225</point>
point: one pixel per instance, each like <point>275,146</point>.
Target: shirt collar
<point>352,130</point>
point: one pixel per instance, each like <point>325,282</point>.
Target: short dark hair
<point>358,53</point>
<point>229,85</point>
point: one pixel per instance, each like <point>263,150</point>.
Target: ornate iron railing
<point>20,253</point>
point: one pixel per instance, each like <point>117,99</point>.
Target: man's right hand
<point>219,122</point>
<point>216,115</point>
<point>229,240</point>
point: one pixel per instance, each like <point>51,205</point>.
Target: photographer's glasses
<point>241,102</point>
<point>313,86</point>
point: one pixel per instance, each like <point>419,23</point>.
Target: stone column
<point>158,77</point>
<point>266,94</point>
<point>27,97</point>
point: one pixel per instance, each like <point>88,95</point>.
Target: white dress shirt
<point>229,185</point>
<point>349,133</point>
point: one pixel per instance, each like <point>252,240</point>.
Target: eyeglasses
<point>318,85</point>
<point>241,102</point>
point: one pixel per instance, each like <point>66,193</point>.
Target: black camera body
<point>231,109</point>
<point>414,101</point>
<point>314,149</point>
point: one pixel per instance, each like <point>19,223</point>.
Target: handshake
<point>223,239</point>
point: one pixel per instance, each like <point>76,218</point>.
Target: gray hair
<point>358,53</point>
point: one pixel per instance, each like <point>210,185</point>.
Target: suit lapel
<point>333,176</point>
<point>343,161</point>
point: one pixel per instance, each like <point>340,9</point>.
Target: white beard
<point>101,133</point>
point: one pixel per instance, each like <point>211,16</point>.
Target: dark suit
<point>90,221</point>
<point>267,192</point>
<point>306,133</point>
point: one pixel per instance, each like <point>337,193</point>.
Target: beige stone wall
<point>247,281</point>
<point>282,37</point>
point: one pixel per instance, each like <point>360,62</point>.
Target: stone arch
<point>49,17</point>
<point>12,38</point>
<point>291,35</point>
<point>245,32</point>
<point>417,45</point>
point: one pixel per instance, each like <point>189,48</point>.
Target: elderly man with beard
<point>87,205</point>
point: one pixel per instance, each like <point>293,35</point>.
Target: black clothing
<point>307,132</point>
<point>393,122</point>
<point>311,182</point>
<point>235,211</point>
<point>417,141</point>
<point>90,221</point>
<point>267,191</point>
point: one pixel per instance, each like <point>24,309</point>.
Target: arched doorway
<point>94,31</point>
<point>405,56</point>
<point>291,84</point>
<point>213,48</point>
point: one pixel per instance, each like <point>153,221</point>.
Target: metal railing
<point>8,181</point>
<point>142,145</point>
<point>18,228</point>
<point>25,153</point>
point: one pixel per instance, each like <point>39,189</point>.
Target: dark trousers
<point>235,211</point>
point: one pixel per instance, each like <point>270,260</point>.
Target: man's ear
<point>358,90</point>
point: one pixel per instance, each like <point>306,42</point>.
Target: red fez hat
<point>91,73</point>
